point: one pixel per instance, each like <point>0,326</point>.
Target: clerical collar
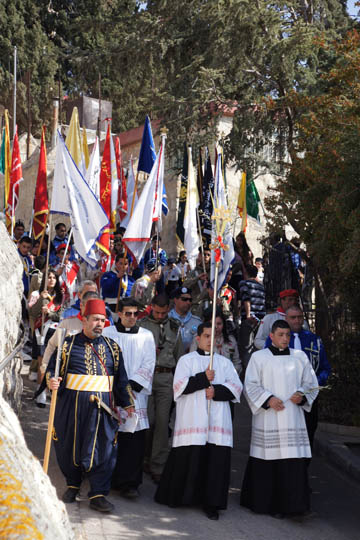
<point>121,328</point>
<point>279,352</point>
<point>202,352</point>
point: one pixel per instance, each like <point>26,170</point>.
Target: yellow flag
<point>85,149</point>
<point>7,164</point>
<point>242,202</point>
<point>73,141</point>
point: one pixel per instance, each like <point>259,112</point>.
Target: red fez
<point>60,247</point>
<point>288,292</point>
<point>95,306</point>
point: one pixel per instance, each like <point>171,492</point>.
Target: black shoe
<point>212,513</point>
<point>101,504</point>
<point>129,493</point>
<point>70,495</point>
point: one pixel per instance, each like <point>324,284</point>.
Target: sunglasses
<point>185,299</point>
<point>131,313</point>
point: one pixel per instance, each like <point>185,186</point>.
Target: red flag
<point>105,192</point>
<point>122,201</point>
<point>41,203</point>
<point>15,178</point>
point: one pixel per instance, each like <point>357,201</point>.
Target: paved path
<point>335,500</point>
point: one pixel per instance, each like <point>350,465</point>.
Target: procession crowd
<point>128,348</point>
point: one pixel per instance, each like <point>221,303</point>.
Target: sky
<point>352,9</point>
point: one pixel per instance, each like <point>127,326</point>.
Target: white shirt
<point>279,434</point>
<point>139,354</point>
<point>194,425</point>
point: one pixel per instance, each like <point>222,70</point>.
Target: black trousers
<point>128,470</point>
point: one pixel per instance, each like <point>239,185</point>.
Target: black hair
<point>128,302</point>
<point>160,300</point>
<point>25,240</point>
<point>252,271</point>
<point>19,223</point>
<point>207,316</point>
<point>121,256</point>
<point>58,291</point>
<point>40,262</point>
<point>58,225</point>
<point>202,327</point>
<point>280,323</point>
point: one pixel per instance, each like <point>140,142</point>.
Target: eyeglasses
<point>131,313</point>
<point>185,299</point>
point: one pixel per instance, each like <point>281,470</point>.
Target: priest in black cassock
<point>280,384</point>
<point>197,471</point>
<point>85,434</point>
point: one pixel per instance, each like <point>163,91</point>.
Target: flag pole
<point>15,69</point>
<point>67,246</point>
<point>201,240</point>
<point>61,336</point>
<point>46,279</point>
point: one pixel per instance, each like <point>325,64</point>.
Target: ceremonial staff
<point>62,332</point>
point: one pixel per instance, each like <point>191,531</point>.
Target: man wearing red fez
<point>91,384</point>
<point>287,298</point>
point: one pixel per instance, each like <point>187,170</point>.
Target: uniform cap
<point>60,247</point>
<point>288,292</point>
<point>151,265</point>
<point>95,306</point>
<point>181,290</point>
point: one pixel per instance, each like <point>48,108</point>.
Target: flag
<point>85,149</point>
<point>72,196</point>
<point>252,198</point>
<point>147,158</point>
<point>207,199</point>
<point>180,233</point>
<point>122,198</point>
<point>226,257</point>
<point>191,236</point>
<point>114,184</point>
<point>93,171</point>
<point>200,177</point>
<point>242,202</point>
<point>15,178</point>
<point>6,162</point>
<point>41,203</point>
<point>130,194</point>
<point>106,189</point>
<point>73,141</point>
<point>138,230</point>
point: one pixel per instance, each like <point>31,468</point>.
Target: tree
<point>21,26</point>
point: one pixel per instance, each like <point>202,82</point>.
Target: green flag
<point>252,198</point>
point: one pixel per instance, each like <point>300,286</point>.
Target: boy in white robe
<point>139,354</point>
<point>280,384</point>
<point>198,468</point>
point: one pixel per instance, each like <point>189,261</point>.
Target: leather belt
<point>160,369</point>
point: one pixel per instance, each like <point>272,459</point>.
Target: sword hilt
<point>93,398</point>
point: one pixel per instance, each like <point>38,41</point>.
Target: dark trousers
<point>129,464</point>
<point>311,419</point>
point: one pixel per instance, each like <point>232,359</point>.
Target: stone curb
<point>338,453</point>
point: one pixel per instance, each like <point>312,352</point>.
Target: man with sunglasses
<point>169,348</point>
<point>138,350</point>
<point>181,313</point>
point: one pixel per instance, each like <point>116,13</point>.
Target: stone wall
<point>11,290</point>
<point>29,507</point>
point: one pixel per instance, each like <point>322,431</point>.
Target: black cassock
<point>85,435</point>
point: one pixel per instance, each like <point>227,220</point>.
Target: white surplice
<point>279,434</point>
<point>139,354</point>
<point>193,425</point>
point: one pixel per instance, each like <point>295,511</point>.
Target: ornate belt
<point>89,383</point>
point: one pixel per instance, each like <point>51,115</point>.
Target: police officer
<point>169,348</point>
<point>181,313</point>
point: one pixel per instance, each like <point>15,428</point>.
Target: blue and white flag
<point>147,159</point>
<point>191,235</point>
<point>220,201</point>
<point>73,196</point>
<point>147,210</point>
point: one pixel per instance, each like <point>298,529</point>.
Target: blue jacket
<point>109,284</point>
<point>313,347</point>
